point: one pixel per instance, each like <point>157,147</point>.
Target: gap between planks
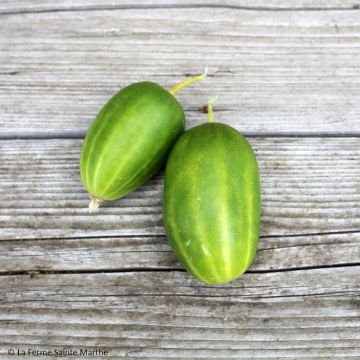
<point>156,236</point>
<point>81,135</point>
<point>153,254</point>
<point>354,7</point>
<point>34,273</point>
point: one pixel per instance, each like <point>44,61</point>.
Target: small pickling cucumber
<point>130,139</point>
<point>212,202</point>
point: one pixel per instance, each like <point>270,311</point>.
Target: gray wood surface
<point>153,252</point>
<point>16,7</point>
<point>287,74</point>
<point>276,72</point>
<point>168,314</point>
<point>309,185</point>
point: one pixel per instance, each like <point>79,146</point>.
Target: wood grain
<point>309,185</point>
<point>154,253</point>
<point>287,73</point>
<point>277,72</point>
<point>296,314</point>
<point>14,7</point>
<point>300,283</point>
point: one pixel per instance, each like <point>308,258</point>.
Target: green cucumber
<point>130,139</point>
<point>211,202</point>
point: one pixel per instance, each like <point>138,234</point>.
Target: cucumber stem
<point>174,89</point>
<point>94,204</point>
<point>210,109</point>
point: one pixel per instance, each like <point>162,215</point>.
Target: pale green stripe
<point>127,113</point>
<point>179,243</point>
<point>200,225</point>
<point>95,138</point>
<point>125,158</point>
<point>105,147</point>
<point>223,213</point>
<point>249,185</point>
<point>174,228</point>
<point>129,155</point>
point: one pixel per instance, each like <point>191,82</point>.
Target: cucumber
<point>130,139</point>
<point>211,202</point>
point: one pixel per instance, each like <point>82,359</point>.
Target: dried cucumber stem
<point>173,90</point>
<point>210,109</point>
<point>94,204</point>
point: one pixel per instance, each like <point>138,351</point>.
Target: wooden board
<point>287,73</point>
<point>154,253</point>
<point>277,72</point>
<point>309,185</point>
<point>15,7</point>
<point>296,314</point>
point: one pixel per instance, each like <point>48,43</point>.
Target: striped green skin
<point>130,140</point>
<point>212,202</point>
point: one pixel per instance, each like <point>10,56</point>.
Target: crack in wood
<point>354,7</point>
<point>81,135</point>
<point>34,273</point>
<point>162,237</point>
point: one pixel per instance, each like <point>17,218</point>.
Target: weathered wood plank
<point>9,6</point>
<point>66,288</point>
<point>126,253</point>
<point>309,185</point>
<point>296,314</point>
<point>276,72</point>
